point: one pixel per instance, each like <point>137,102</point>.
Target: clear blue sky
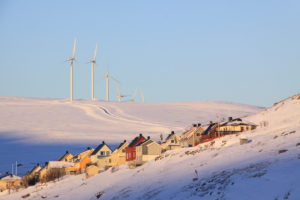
<point>236,51</point>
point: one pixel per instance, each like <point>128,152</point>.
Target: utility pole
<point>16,168</point>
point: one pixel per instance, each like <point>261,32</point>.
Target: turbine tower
<point>93,63</point>
<point>120,96</point>
<point>72,60</point>
<point>107,78</point>
<point>138,91</point>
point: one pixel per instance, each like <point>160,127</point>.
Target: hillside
<point>59,121</point>
<point>265,168</point>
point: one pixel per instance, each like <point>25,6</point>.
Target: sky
<point>234,51</point>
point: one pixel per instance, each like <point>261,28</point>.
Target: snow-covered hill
<point>266,168</point>
<point>59,121</point>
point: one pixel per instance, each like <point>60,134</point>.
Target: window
<point>109,160</point>
<point>123,150</point>
<point>172,141</point>
<point>102,153</point>
<point>107,153</point>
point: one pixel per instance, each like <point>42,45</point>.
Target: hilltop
<point>265,168</point>
<point>34,120</point>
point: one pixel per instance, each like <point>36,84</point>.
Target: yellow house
<point>234,126</point>
<point>10,181</point>
<point>80,161</point>
<point>192,137</point>
<point>171,142</point>
<point>146,151</point>
<point>35,170</point>
<point>118,156</point>
<point>66,157</point>
<point>100,156</point>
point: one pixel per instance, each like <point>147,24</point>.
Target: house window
<point>172,141</point>
<point>123,150</point>
<point>198,134</point>
<point>102,153</point>
<point>107,153</point>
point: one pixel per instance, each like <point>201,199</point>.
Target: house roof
<point>35,168</point>
<point>237,122</point>
<point>60,164</point>
<point>99,147</point>
<point>190,132</point>
<point>170,135</point>
<point>135,140</point>
<point>9,177</point>
<point>120,145</point>
<point>208,129</point>
<point>66,154</point>
<point>145,142</point>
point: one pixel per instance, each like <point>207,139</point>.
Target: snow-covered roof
<point>60,164</point>
<point>237,122</point>
<point>10,177</point>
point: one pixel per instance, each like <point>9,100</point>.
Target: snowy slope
<point>59,121</point>
<point>266,168</point>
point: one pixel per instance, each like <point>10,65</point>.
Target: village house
<point>80,161</point>
<point>66,157</point>
<point>146,151</point>
<point>192,137</point>
<point>10,182</point>
<point>171,142</point>
<point>131,149</point>
<point>100,156</point>
<point>209,133</point>
<point>35,170</point>
<point>233,126</point>
<point>118,156</point>
<point>54,165</point>
<point>32,177</point>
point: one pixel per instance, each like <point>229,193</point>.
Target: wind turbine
<point>93,63</point>
<point>120,96</point>
<point>138,90</point>
<point>72,60</point>
<point>107,78</point>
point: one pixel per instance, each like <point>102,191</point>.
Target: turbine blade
<point>77,63</point>
<point>74,48</point>
<point>114,79</point>
<point>95,52</point>
<point>97,65</point>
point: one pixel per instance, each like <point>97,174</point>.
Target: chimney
<point>194,125</point>
<point>141,135</point>
<point>230,119</point>
<point>199,124</point>
<point>88,148</point>
<point>124,141</point>
<point>67,152</point>
<point>103,142</point>
<point>148,137</point>
<point>172,132</point>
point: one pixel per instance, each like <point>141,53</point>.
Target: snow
<point>11,177</point>
<point>33,120</point>
<point>225,169</point>
<point>60,164</point>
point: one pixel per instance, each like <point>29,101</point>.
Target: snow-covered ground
<point>265,168</point>
<point>33,120</point>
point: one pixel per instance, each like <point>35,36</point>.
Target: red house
<point>131,149</point>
